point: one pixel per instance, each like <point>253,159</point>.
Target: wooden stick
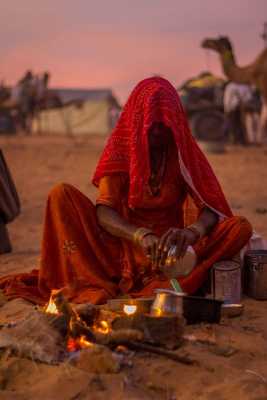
<point>162,352</point>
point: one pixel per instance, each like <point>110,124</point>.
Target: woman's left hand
<point>181,238</point>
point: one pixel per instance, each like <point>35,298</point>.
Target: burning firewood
<point>110,329</point>
<point>88,313</point>
<point>78,328</point>
<point>58,304</point>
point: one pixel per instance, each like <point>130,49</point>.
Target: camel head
<point>220,45</point>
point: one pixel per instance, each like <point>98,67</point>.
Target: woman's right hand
<point>149,245</point>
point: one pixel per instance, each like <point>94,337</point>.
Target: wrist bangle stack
<point>140,233</point>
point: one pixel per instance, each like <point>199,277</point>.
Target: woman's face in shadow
<point>159,136</point>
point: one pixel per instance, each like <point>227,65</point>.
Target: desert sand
<point>232,355</point>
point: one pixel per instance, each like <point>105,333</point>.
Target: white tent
<point>83,112</point>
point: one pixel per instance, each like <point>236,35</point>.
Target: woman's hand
<point>149,244</point>
<point>181,238</point>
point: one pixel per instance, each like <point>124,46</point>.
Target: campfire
<point>89,326</point>
<point>93,335</point>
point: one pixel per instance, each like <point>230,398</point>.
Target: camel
<point>253,74</point>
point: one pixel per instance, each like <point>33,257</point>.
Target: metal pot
<point>167,302</point>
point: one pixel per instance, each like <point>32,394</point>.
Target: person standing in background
<point>252,111</point>
<point>27,100</point>
<point>235,97</point>
<point>41,83</point>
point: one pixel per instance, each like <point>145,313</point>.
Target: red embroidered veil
<point>156,100</point>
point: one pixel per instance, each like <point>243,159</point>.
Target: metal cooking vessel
<point>167,302</point>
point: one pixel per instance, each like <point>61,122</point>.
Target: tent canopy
<point>82,112</point>
<point>68,95</point>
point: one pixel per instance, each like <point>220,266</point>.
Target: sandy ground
<point>38,163</point>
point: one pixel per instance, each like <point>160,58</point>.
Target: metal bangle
<point>140,233</point>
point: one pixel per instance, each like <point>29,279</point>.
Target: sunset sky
<point>116,43</point>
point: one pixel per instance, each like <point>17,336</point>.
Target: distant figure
<point>26,88</point>
<point>9,204</point>
<point>252,112</point>
<point>15,94</point>
<point>235,96</point>
<point>41,90</point>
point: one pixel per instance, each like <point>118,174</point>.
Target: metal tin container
<point>255,274</point>
<point>226,282</point>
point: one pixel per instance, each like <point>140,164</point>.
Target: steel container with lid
<point>255,274</point>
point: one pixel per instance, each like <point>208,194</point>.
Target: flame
<point>102,327</point>
<point>72,345</point>
<point>129,309</point>
<point>157,312</point>
<point>51,307</point>
<point>84,343</point>
<point>78,344</point>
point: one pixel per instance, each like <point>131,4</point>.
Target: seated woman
<point>149,175</point>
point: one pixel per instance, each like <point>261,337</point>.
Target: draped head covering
<point>127,150</point>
